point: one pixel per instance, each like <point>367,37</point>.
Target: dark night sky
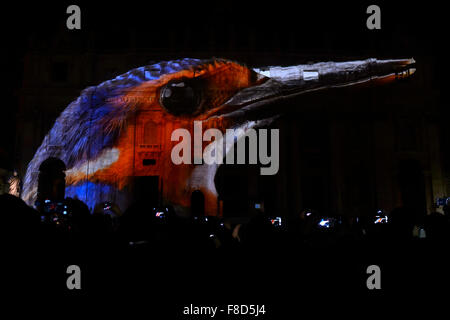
<point>331,30</point>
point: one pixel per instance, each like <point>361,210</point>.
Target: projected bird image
<point>122,130</point>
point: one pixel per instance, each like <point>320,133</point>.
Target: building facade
<point>346,152</point>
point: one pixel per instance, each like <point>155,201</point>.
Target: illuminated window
<point>59,72</point>
<point>408,135</point>
<point>148,162</point>
<point>151,133</point>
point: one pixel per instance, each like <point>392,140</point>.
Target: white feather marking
<point>105,159</point>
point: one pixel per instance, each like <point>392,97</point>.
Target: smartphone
<point>381,219</point>
<point>106,206</point>
<point>442,201</point>
<point>326,223</point>
<point>276,221</point>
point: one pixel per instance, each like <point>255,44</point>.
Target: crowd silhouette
<point>306,245</point>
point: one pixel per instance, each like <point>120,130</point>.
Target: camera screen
<point>326,223</point>
<point>381,219</point>
<point>276,221</point>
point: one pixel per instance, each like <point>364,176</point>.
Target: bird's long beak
<point>281,83</point>
<point>335,74</point>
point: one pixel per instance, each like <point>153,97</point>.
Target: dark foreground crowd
<point>151,247</point>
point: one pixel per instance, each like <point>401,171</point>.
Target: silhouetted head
<point>17,220</point>
<point>79,215</point>
<point>401,223</point>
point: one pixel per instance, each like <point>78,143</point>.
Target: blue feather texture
<point>82,130</point>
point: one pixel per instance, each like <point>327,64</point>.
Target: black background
<point>278,31</point>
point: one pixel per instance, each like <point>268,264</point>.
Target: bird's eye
<point>180,98</point>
